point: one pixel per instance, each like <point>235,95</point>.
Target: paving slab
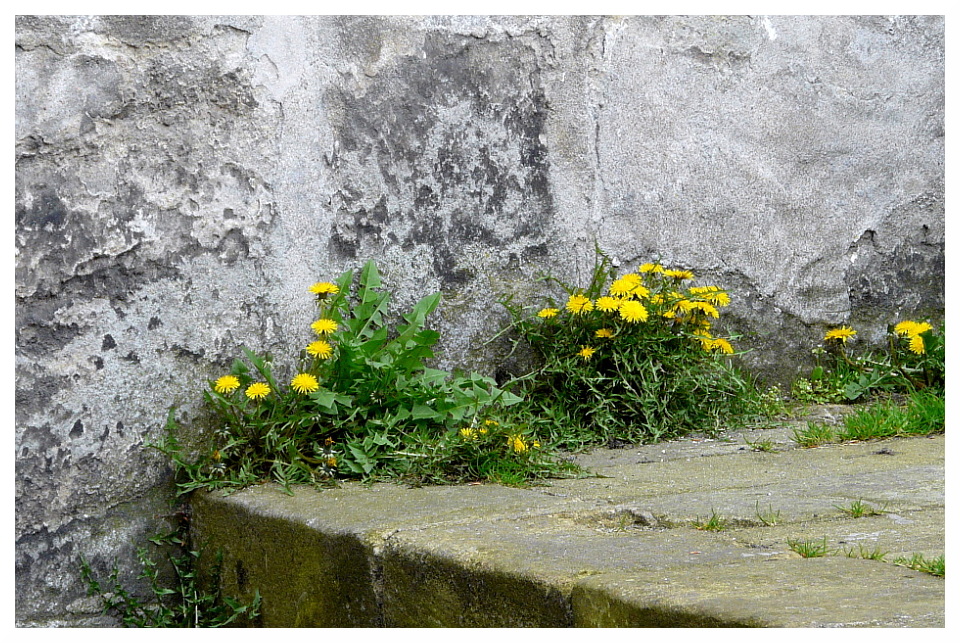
<point>622,549</point>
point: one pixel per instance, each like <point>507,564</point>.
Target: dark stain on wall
<point>456,135</point>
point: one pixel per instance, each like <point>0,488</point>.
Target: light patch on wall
<point>771,32</point>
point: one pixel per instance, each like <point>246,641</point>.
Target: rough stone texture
<point>181,180</point>
<point>619,550</point>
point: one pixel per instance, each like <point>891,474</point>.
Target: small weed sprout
<point>763,446</point>
<point>814,434</point>
<point>769,517</point>
<point>862,552</point>
<point>809,548</point>
<point>714,523</point>
<point>935,566</point>
<point>859,509</point>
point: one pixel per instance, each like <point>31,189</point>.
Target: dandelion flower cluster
<point>226,384</point>
<point>910,328</point>
<point>650,292</point>
<point>912,331</point>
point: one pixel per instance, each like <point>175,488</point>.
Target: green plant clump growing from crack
<point>762,446</point>
<point>809,548</point>
<point>179,597</point>
<point>715,522</point>
<point>934,566</point>
<point>867,554</point>
<point>912,360</point>
<point>814,434</point>
<point>859,509</point>
<point>359,401</point>
<point>630,358</point>
<point>923,412</point>
<point>768,517</point>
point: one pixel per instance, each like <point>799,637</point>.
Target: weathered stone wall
<point>180,181</point>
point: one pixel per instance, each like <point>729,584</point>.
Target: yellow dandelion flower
<point>910,328</point>
<point>304,383</point>
<point>608,304</point>
<point>257,391</point>
<point>586,352</point>
<point>916,345</point>
<point>712,294</point>
<point>633,311</point>
<point>679,275</point>
<point>468,434</point>
<point>491,423</point>
<point>226,384</point>
<point>324,326</point>
<point>641,292</point>
<point>517,443</point>
<point>324,288</point>
<point>722,346</point>
<point>578,304</point>
<point>657,300</point>
<point>841,334</point>
<point>332,461</point>
<point>718,298</point>
<point>704,307</point>
<point>547,313</point>
<point>651,268</point>
<point>604,333</point>
<point>905,328</point>
<point>624,285</point>
<point>320,349</point>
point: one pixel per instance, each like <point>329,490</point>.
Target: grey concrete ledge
<point>614,551</point>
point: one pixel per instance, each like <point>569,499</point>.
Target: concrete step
<point>621,550</point>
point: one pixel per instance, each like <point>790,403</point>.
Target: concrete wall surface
<point>181,181</point>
